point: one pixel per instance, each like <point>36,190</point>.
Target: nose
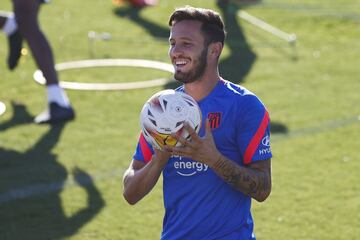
<point>174,51</point>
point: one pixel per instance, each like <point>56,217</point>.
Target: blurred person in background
<point>22,25</point>
<point>136,3</point>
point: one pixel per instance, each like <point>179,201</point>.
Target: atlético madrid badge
<point>214,119</point>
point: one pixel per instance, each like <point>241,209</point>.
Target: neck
<point>202,86</point>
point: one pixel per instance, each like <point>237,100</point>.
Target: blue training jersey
<point>199,205</point>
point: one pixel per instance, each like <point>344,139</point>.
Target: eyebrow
<point>182,38</point>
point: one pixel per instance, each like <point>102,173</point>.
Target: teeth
<point>180,62</point>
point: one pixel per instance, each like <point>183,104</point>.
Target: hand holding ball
<point>165,113</point>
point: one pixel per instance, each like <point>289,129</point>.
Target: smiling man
<point>209,181</point>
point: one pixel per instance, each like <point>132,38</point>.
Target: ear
<point>215,49</point>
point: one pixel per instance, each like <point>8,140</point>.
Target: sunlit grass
<point>311,91</point>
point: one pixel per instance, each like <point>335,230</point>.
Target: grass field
<point>65,182</point>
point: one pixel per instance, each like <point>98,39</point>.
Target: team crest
<point>214,119</point>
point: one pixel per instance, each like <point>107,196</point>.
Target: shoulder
<point>240,95</point>
<point>234,89</point>
<point>246,106</point>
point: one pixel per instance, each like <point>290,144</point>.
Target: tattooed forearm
<point>253,181</point>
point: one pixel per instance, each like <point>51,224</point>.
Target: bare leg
<point>26,12</point>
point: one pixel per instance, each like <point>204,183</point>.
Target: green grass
<point>312,94</point>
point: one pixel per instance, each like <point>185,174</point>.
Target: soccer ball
<point>165,113</point>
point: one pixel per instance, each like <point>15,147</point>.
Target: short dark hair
<point>212,24</point>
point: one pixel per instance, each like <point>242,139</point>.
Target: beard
<point>196,72</point>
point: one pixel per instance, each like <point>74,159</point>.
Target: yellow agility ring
<point>39,77</point>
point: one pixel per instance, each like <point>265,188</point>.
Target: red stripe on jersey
<point>254,143</point>
<point>145,149</point>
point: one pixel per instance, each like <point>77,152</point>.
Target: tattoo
<point>255,182</point>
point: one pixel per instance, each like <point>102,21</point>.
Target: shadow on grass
<point>241,58</point>
<point>276,127</point>
<point>133,14</point>
<point>31,182</point>
<point>21,116</point>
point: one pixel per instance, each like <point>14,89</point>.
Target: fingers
<point>193,134</point>
<point>183,151</point>
<point>196,148</point>
<point>162,152</point>
<point>187,146</point>
<point>182,141</point>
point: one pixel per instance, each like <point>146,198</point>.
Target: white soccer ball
<point>165,113</point>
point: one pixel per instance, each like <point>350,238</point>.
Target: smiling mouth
<point>180,63</point>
